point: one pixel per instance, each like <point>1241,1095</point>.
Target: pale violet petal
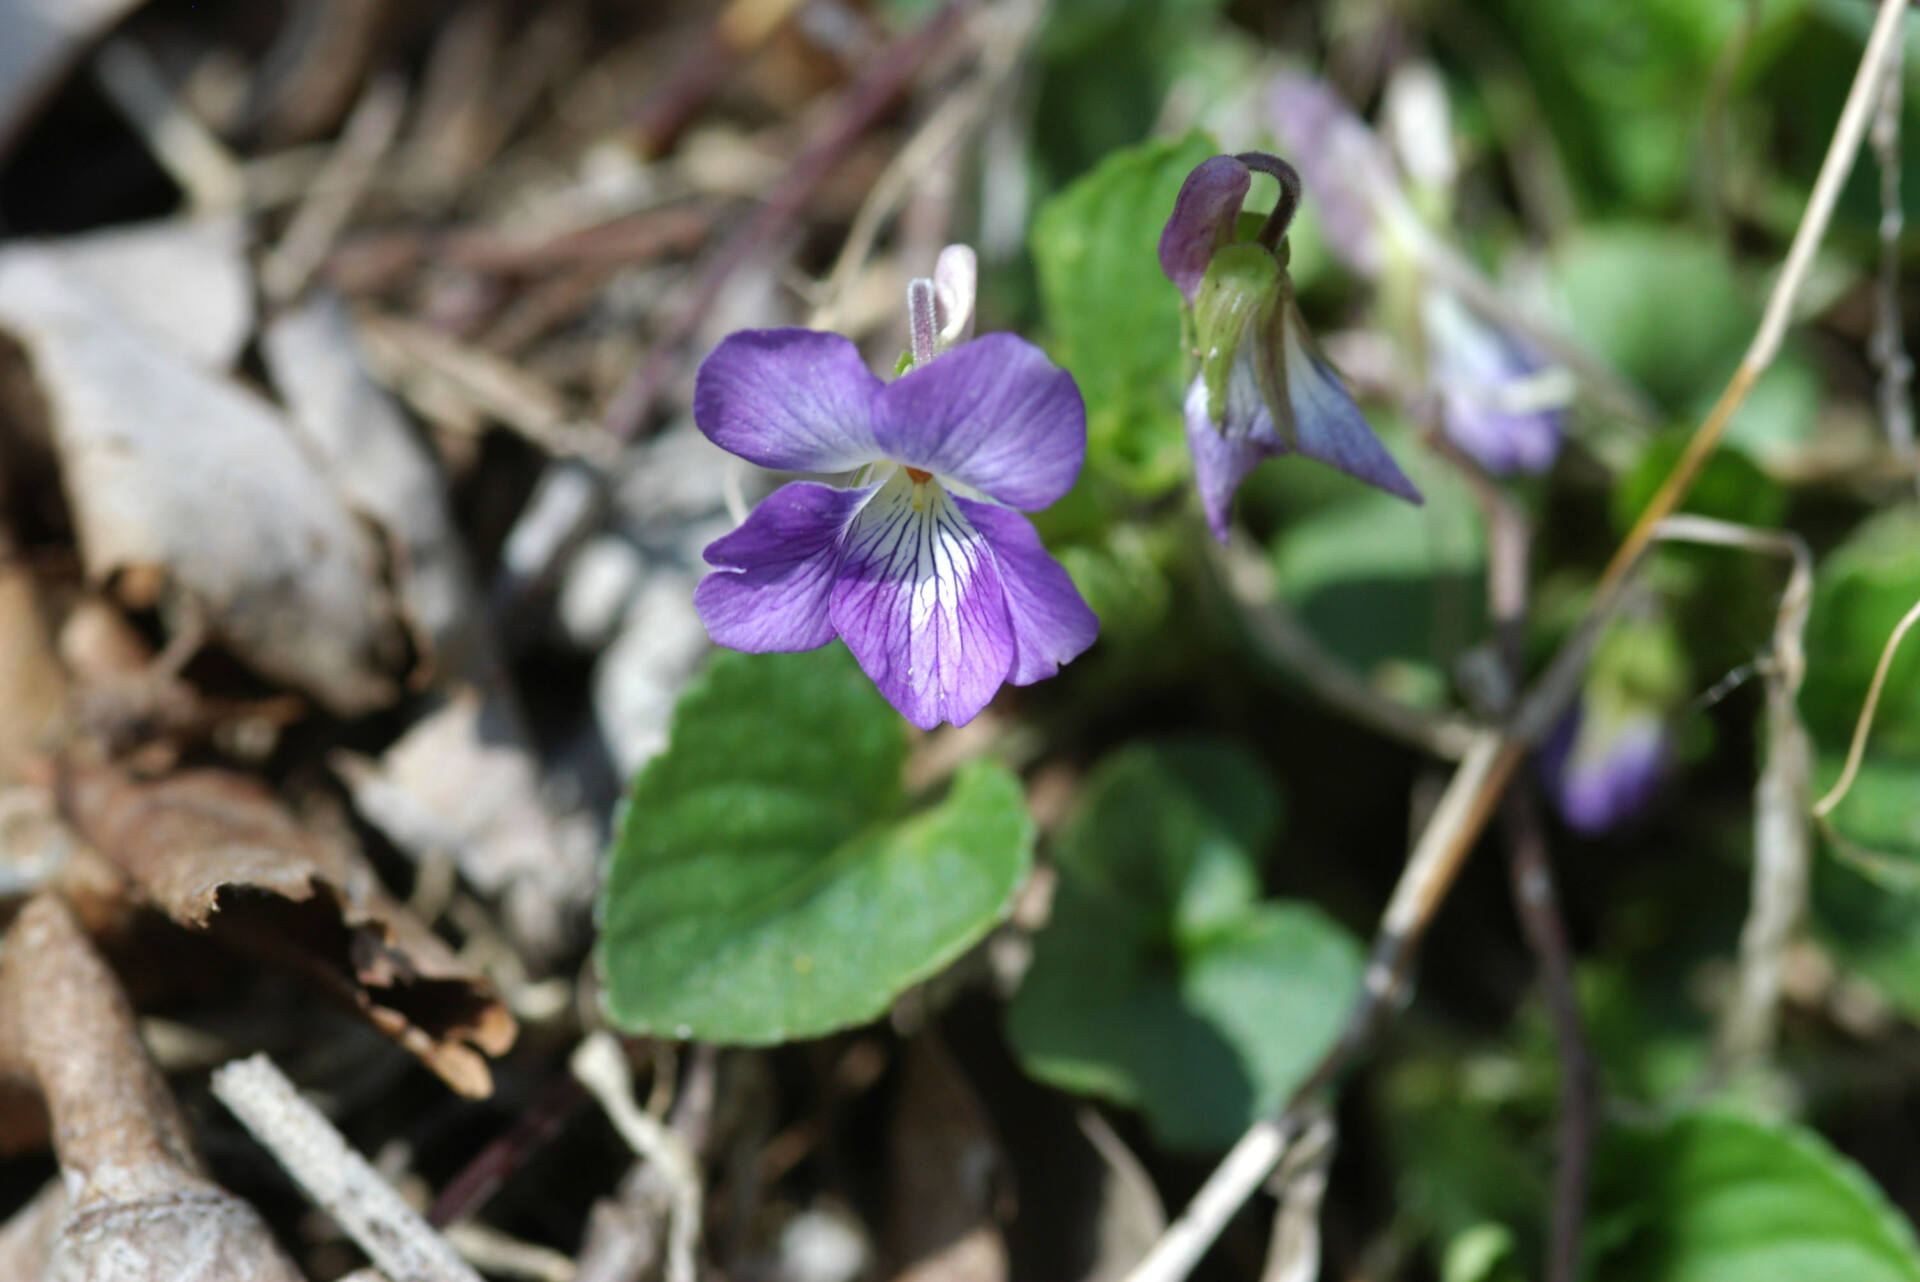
<point>920,602</point>
<point>1051,623</point>
<point>1225,452</point>
<point>994,414</point>
<point>1327,425</point>
<point>777,570</point>
<point>794,399</point>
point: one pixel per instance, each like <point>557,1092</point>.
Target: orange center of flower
<point>915,475</point>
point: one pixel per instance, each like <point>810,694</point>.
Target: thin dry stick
<point>1782,840</point>
<point>1889,346</point>
<point>1300,1184</point>
<point>1494,756</point>
<point>882,81</point>
<point>336,189</point>
<point>602,1069</point>
<point>1546,932</point>
<point>200,163</point>
<point>1536,901</point>
<point>338,1179</point>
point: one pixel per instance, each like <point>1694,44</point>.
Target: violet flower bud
<point>1262,387</point>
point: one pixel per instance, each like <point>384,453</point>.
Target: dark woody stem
<point>1289,180</point>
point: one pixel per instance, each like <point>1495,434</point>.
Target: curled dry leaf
<point>177,474</point>
<point>216,851</point>
<point>137,1202</point>
<point>461,783</point>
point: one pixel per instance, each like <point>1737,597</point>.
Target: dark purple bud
<point>1203,219</point>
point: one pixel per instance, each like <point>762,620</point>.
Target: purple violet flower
<point>1605,770</point>
<point>925,568</point>
<point>1263,387</point>
<point>1498,401</point>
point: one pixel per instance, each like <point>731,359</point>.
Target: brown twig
<point>481,1178</point>
<point>1538,905</point>
<point>1889,345</point>
<point>1536,902</point>
<point>860,108</point>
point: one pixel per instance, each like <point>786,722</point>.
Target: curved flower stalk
<point>925,566</point>
<point>1498,401</point>
<point>1263,388</point>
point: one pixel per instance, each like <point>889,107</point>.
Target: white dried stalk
<point>336,190</point>
<point>199,162</point>
<point>1782,831</point>
<point>335,1177</point>
<point>602,1069</point>
<point>1889,345</point>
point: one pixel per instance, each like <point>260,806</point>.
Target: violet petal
<point>1327,424</point>
<point>994,414</point>
<point>1203,215</point>
<point>1479,372</point>
<point>920,602</point>
<point>1051,623</point>
<point>1603,776</point>
<point>1225,452</point>
<point>794,399</point>
<point>776,571</point>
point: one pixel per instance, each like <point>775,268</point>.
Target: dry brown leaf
<point>461,783</point>
<point>216,851</point>
<point>183,281</point>
<point>138,1204</point>
<point>375,463</point>
<point>178,476</point>
<point>941,1223</point>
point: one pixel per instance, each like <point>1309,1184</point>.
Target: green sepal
<point>1237,299</point>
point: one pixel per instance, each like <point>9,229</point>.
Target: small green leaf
<point>1162,982</point>
<point>1663,306</point>
<point>1114,318</point>
<point>767,881</point>
<point>1395,590</point>
<point>1713,1196</point>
